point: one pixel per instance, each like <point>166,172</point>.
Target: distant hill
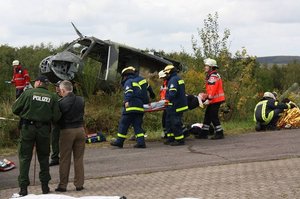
<point>278,59</point>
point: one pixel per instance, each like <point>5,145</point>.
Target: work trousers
<point>71,141</point>
<point>30,136</point>
<point>212,116</point>
<point>174,125</point>
<point>136,120</point>
<point>55,142</point>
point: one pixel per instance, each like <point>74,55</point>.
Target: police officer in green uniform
<point>37,108</point>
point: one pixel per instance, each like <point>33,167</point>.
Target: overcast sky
<point>263,27</point>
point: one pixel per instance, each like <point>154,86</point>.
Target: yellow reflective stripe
<point>170,134</point>
<point>134,109</point>
<point>122,136</point>
<point>182,109</point>
<point>142,82</point>
<point>265,118</point>
<point>136,84</point>
<point>173,89</point>
<point>129,90</point>
<point>179,137</point>
<point>139,135</point>
<point>170,104</point>
<point>180,82</point>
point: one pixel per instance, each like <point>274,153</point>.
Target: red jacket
<point>20,77</point>
<point>163,90</point>
<point>214,87</point>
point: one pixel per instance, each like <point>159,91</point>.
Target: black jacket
<point>72,109</point>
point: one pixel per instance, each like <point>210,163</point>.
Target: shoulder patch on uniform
<point>172,86</point>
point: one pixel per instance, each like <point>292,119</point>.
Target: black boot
<point>258,127</point>
<point>23,191</point>
<point>54,162</point>
<point>116,143</point>
<point>178,143</point>
<point>140,146</point>
<point>218,136</point>
<point>45,188</point>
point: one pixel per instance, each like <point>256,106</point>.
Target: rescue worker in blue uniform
<point>176,105</point>
<point>145,86</point>
<point>267,112</point>
<point>133,111</point>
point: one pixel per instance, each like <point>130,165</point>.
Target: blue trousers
<point>134,119</point>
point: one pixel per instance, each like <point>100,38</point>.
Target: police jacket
<point>214,87</point>
<point>37,104</point>
<point>72,109</point>
<point>264,110</point>
<point>132,95</point>
<point>176,94</point>
<point>145,88</point>
<point>20,77</point>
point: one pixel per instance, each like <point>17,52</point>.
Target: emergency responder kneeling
<point>133,111</point>
<point>176,105</point>
<point>37,108</point>
<point>267,112</point>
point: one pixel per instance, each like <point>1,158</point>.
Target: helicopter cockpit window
<point>80,47</point>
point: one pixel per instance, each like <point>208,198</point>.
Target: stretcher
<point>155,106</point>
<point>194,101</point>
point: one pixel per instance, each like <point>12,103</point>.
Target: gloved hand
<point>206,102</point>
<point>152,95</point>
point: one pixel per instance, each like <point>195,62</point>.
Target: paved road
<point>254,165</point>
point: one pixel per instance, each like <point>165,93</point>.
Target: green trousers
<point>30,136</point>
<point>55,142</point>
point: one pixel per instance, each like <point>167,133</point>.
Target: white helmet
<point>16,63</point>
<point>269,94</point>
<point>210,62</point>
<point>168,69</point>
<point>161,74</point>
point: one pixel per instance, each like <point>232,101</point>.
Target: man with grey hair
<point>72,137</point>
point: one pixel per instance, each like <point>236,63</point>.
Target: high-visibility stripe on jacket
<point>146,88</point>
<point>20,77</point>
<point>176,94</point>
<point>214,87</point>
<point>132,95</point>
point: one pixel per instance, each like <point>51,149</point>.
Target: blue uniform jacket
<point>176,94</point>
<point>132,95</point>
<point>145,88</point>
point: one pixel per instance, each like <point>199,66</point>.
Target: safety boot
<point>218,136</point>
<point>116,143</point>
<point>177,143</point>
<point>45,188</point>
<point>258,126</point>
<point>140,146</point>
<point>23,191</point>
